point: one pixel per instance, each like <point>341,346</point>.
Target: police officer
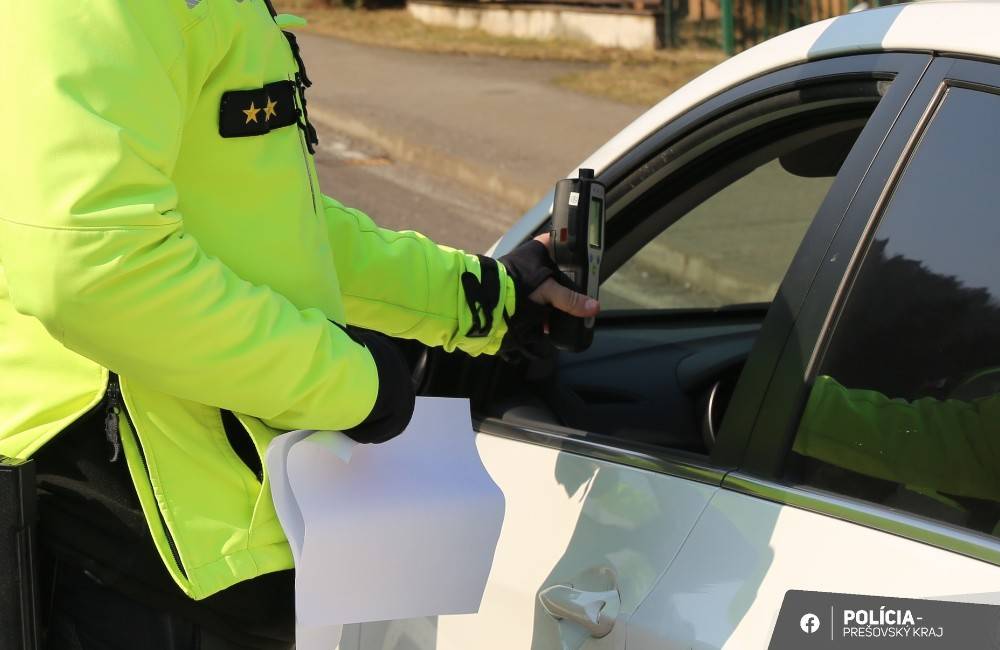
<point>175,291</point>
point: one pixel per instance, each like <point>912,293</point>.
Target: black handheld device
<point>578,244</point>
<point>18,559</point>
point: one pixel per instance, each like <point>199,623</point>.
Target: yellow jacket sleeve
<point>405,285</point>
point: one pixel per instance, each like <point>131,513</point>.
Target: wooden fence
<point>753,21</point>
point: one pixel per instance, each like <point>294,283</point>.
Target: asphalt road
<point>498,125</point>
<point>403,196</point>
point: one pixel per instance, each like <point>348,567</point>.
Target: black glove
<point>394,402</point>
<point>529,265</point>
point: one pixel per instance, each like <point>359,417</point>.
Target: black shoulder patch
<point>258,111</point>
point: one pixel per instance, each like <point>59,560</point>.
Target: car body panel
<point>566,514</point>
<point>728,582</point>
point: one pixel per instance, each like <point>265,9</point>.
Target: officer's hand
<point>551,292</point>
<point>394,403</point>
<point>539,286</point>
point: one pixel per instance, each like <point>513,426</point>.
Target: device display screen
<point>594,225</point>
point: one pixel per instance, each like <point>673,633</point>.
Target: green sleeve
<point>948,446</point>
<point>405,285</point>
<point>93,243</point>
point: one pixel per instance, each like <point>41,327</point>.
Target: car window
<point>904,409</point>
<point>748,187</point>
<point>735,246</point>
<point>736,194</point>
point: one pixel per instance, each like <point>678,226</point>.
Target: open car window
<point>726,210</point>
<point>732,249</point>
<point>698,239</point>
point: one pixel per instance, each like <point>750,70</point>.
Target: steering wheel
<point>715,403</point>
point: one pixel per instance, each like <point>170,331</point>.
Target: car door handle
<point>594,611</point>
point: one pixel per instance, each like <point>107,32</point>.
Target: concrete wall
<point>607,27</point>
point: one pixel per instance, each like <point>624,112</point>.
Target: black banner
<point>811,620</point>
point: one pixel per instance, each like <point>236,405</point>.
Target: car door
<point>873,464</point>
<point>608,458</point>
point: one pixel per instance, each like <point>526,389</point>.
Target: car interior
<point>698,238</point>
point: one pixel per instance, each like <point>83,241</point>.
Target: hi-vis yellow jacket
<point>160,217</point>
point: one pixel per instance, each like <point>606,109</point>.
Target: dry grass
<point>634,77</point>
<point>643,84</point>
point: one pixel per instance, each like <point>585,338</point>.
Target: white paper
<point>281,492</point>
<point>402,529</point>
<point>306,638</point>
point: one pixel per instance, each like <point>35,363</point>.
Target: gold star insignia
<point>251,113</point>
<point>269,111</point>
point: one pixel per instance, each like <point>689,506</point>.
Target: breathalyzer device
<point>578,244</point>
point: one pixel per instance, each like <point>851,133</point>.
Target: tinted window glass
<point>732,249</point>
<point>733,201</point>
<point>905,407</point>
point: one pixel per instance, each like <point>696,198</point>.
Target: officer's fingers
<point>564,299</point>
<point>546,240</point>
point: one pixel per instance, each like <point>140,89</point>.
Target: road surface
<point>403,196</point>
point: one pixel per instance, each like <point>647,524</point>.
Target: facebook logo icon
<point>809,623</point>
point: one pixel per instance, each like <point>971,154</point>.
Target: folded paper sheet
<point>378,532</point>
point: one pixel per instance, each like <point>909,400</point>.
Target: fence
<point>733,25</point>
<point>748,22</point>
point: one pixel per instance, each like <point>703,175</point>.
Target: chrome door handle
<point>594,611</point>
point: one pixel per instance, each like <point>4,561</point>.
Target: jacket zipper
<point>113,400</point>
<point>115,406</point>
<point>301,82</point>
<point>305,156</point>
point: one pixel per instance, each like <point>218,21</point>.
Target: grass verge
<point>629,76</point>
<point>642,84</point>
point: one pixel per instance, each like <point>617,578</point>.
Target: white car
<point>824,207</point>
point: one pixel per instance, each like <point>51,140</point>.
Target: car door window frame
<point>733,146</point>
<point>781,410</point>
<point>905,70</point>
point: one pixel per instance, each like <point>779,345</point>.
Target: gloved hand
<point>539,286</point>
<point>394,403</point>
